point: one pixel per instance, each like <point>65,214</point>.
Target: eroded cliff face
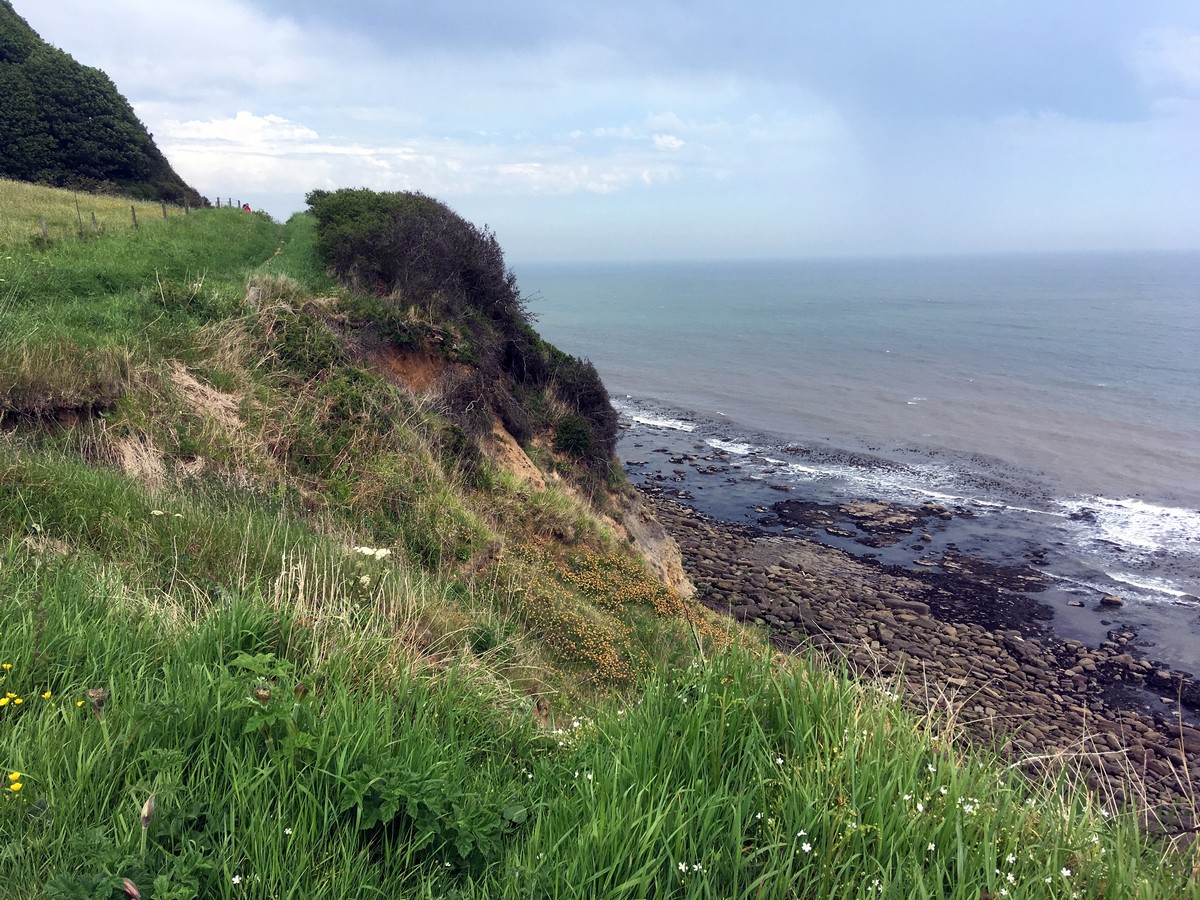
<point>655,545</point>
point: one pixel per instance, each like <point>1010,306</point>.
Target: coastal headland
<point>963,644</point>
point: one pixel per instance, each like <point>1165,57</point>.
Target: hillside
<point>65,124</point>
<point>328,587</point>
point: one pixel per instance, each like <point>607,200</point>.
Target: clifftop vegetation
<point>65,124</point>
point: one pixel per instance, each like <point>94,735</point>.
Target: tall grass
<point>65,211</point>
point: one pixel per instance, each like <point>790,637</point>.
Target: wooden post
<point>45,235</point>
<point>164,207</point>
<point>133,212</point>
<point>95,224</point>
<point>78,214</point>
<point>186,206</point>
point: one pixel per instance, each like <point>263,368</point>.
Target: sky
<point>683,129</point>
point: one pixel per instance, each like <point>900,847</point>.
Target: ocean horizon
<point>1055,396</point>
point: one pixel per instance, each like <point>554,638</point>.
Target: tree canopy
<point>67,125</point>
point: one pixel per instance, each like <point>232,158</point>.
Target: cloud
<point>667,142</point>
<point>1169,58</point>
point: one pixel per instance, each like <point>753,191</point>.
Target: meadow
<point>269,629</point>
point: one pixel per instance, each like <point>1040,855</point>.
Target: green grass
<point>498,703</point>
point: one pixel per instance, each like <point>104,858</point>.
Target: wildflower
<point>364,580</point>
<point>14,776</point>
<point>237,879</point>
<point>157,512</point>
<point>17,701</point>
<point>3,701</point>
<point>920,807</point>
<point>79,703</point>
<point>147,811</point>
<point>589,776</point>
<point>943,791</point>
<point>6,666</point>
<point>1010,878</point>
<point>1011,858</point>
<point>1065,872</point>
<point>45,695</point>
<point>779,760</point>
<point>16,786</point>
<point>130,889</point>
<point>806,847</point>
<point>287,831</point>
<point>932,768</point>
<point>801,833</point>
<point>1003,892</point>
<point>932,847</point>
<point>682,867</point>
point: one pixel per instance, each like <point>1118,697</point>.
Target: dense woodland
<point>67,125</point>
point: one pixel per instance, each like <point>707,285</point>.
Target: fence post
<point>95,225</point>
<point>133,212</point>
<point>45,234</point>
<point>164,207</point>
<point>78,214</point>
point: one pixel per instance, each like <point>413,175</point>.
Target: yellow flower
<point>79,703</point>
<point>16,786</point>
<point>6,666</point>
<point>17,701</point>
<point>46,695</point>
<point>10,695</point>
<point>14,776</point>
<point>3,701</point>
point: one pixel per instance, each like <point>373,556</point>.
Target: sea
<point>1052,400</point>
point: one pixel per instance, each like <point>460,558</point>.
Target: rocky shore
<point>965,640</point>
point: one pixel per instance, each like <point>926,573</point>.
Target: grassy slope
<point>186,618</point>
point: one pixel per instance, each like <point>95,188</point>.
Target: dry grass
<point>26,205</point>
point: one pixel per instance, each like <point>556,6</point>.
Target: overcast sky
<point>675,129</point>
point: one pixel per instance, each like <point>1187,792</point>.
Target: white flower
<point>932,846</point>
<point>1003,892</point>
<point>1011,858</point>
<point>364,580</point>
<point>1065,872</point>
<point>696,867</point>
<point>931,767</point>
<point>920,807</point>
<point>287,831</point>
<point>1010,878</point>
<point>779,760</point>
<point>682,867</point>
<point>157,512</point>
<point>801,833</point>
<point>589,776</point>
<point>806,847</point>
<point>237,879</point>
<point>943,791</point>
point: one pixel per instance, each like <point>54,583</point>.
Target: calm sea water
<point>1057,396</point>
